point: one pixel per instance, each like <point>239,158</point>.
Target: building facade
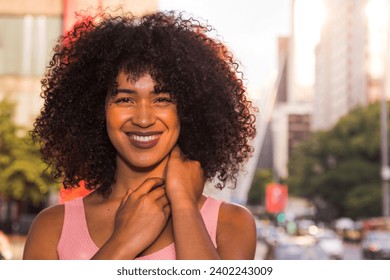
<point>341,78</point>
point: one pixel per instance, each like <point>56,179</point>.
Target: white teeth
<point>143,138</point>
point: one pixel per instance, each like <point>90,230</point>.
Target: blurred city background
<point>317,69</point>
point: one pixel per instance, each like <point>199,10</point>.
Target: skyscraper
<point>341,63</point>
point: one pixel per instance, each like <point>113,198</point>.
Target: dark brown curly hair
<point>216,118</point>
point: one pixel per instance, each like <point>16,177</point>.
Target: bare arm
<point>236,232</point>
<point>44,234</point>
<point>192,241</point>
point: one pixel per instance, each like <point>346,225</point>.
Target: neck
<point>131,177</point>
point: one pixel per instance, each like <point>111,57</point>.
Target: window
<point>26,43</point>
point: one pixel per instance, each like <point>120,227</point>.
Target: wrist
<point>178,196</point>
<point>187,204</point>
<point>115,249</point>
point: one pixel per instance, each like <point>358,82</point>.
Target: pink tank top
<point>76,244</point>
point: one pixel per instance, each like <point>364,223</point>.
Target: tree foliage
<point>341,166</point>
<point>256,195</point>
<point>23,176</point>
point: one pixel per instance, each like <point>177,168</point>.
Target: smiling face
<point>142,124</point>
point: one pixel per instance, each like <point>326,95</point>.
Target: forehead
<point>141,81</point>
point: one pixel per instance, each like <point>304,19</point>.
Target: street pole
<point>385,170</point>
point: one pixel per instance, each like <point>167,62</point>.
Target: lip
<point>152,138</point>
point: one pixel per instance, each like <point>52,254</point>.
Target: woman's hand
<point>185,182</point>
<point>184,179</point>
<point>139,220</point>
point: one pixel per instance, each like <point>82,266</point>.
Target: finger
<point>166,167</point>
<point>157,193</point>
<point>176,152</point>
<point>167,211</point>
<point>148,185</point>
<point>125,197</point>
<point>175,156</point>
<point>163,201</point>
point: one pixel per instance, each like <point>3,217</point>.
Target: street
<point>352,251</point>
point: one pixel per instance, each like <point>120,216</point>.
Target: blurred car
<point>306,226</point>
<point>331,243</point>
<point>273,235</point>
<point>298,251</point>
<point>376,245</point>
<point>353,235</point>
<point>348,229</point>
<point>297,248</point>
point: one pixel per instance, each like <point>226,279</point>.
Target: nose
<point>144,116</point>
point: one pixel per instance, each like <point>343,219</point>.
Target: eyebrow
<point>124,90</point>
<point>130,91</point>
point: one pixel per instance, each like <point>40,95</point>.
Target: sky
<point>376,12</point>
<point>249,28</point>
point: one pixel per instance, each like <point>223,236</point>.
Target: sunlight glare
<point>309,18</point>
<point>376,12</point>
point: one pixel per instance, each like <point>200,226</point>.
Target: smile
<point>144,138</point>
<point>147,141</point>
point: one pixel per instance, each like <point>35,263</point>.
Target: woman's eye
<point>123,100</point>
<point>163,99</point>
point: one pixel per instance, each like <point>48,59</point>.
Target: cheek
<point>174,123</point>
<point>114,117</point>
<point>114,121</point>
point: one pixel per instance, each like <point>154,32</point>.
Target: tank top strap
<point>75,236</point>
<point>210,212</point>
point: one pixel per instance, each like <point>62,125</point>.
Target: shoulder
<point>52,211</point>
<point>44,234</point>
<point>234,215</point>
<point>50,218</point>
<point>236,232</point>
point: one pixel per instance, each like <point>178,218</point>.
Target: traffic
<point>306,240</point>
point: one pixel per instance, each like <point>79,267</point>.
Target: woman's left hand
<point>184,179</point>
<point>236,231</point>
<point>184,183</point>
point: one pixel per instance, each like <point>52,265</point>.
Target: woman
<point>144,111</point>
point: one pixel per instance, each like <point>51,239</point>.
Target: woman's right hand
<point>139,220</point>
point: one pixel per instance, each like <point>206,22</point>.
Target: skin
<point>157,195</point>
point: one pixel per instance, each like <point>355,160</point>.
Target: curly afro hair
<point>217,120</point>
